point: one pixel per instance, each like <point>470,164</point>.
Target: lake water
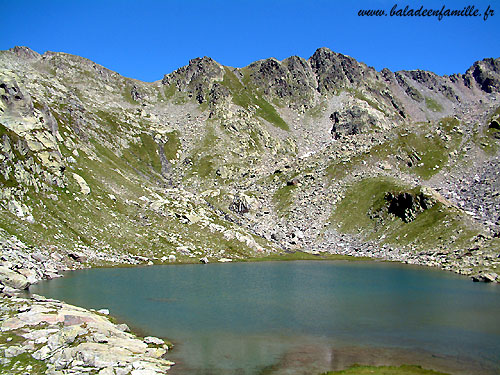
<point>299,317</point>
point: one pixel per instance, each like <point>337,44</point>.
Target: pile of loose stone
<point>470,262</point>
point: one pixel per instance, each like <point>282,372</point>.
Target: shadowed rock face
<point>486,73</point>
<point>351,121</point>
<point>406,206</point>
<point>428,79</point>
<point>334,70</point>
<point>411,91</point>
<point>196,78</point>
<point>291,79</point>
<point>300,82</point>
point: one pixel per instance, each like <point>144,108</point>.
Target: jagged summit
<point>25,52</point>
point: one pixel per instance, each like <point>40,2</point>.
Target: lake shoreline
<point>31,266</point>
<point>220,267</point>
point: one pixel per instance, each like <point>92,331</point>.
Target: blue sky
<point>147,39</point>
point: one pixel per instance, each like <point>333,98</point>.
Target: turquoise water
<point>299,317</point>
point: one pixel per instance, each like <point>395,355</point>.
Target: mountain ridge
<point>274,123</point>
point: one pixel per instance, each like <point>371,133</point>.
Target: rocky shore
<point>40,335</point>
<point>464,262</point>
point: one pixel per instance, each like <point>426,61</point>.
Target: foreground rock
<point>40,335</point>
<point>57,338</point>
<point>13,279</point>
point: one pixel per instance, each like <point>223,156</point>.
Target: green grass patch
<point>204,166</point>
<point>110,120</point>
<point>300,255</point>
<point>433,105</point>
<point>19,364</point>
<point>283,198</point>
<point>127,95</point>
<point>146,151</point>
<point>204,155</point>
<point>359,95</point>
<point>430,150</point>
<point>486,140</point>
<point>449,123</point>
<point>172,145</point>
<point>385,370</point>
<point>169,91</point>
<point>269,113</point>
<point>420,151</point>
<point>244,96</point>
<point>340,168</point>
<point>364,210</point>
<point>365,196</point>
<point>255,143</point>
<point>437,226</point>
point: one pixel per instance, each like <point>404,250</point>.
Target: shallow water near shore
<point>300,317</point>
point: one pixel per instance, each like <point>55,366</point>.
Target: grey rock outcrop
<point>486,74</point>
<point>197,78</point>
<point>351,121</point>
<point>13,279</point>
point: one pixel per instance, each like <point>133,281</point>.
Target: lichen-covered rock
<point>80,340</point>
<point>353,121</point>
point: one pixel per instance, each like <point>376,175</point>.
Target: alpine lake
<point>298,317</point>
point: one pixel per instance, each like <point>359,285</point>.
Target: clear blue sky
<point>146,39</point>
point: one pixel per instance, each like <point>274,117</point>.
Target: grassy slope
<point>427,151</point>
<point>124,224</point>
<point>362,211</point>
<point>246,96</point>
<point>385,370</point>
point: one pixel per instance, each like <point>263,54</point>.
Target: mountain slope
<point>324,154</point>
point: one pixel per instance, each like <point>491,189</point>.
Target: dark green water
<point>299,317</point>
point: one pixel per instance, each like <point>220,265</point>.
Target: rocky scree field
<point>214,163</point>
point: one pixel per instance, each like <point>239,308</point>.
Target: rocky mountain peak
<point>486,73</point>
<point>334,70</point>
<point>196,78</point>
<point>295,136</point>
<point>25,52</point>
<point>213,164</point>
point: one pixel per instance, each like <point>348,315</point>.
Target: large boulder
<point>13,279</point>
<point>241,204</point>
<point>352,121</point>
